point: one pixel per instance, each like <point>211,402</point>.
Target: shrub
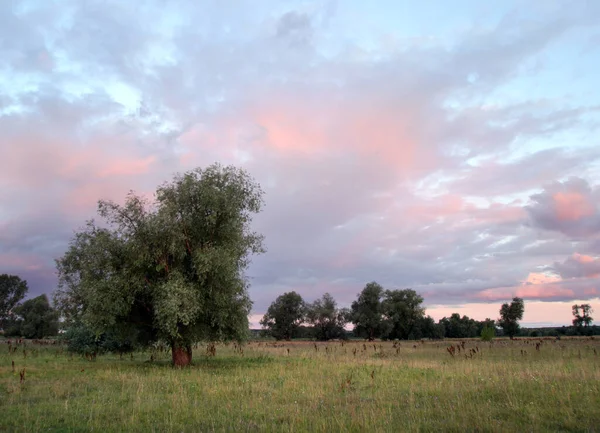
<point>488,333</point>
<point>83,341</point>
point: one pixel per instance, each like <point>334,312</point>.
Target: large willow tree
<point>171,269</point>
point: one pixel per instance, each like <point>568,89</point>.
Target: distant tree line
<point>396,314</point>
<point>376,313</point>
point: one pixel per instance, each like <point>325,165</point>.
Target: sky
<point>448,147</point>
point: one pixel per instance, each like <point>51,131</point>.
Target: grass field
<point>299,386</point>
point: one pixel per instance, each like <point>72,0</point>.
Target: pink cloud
<point>495,294</point>
<point>572,206</point>
<point>121,167</point>
<point>326,122</point>
<point>569,207</point>
<point>543,291</point>
<point>540,278</point>
<point>540,286</point>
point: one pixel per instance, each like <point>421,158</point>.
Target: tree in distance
<point>582,315</point>
<point>12,291</point>
<point>366,313</point>
<point>327,320</point>
<point>171,269</point>
<point>510,314</point>
<point>460,327</point>
<point>284,316</point>
<point>403,311</point>
<point>391,314</point>
<point>35,318</point>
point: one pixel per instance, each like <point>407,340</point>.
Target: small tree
<point>366,312</point>
<point>582,315</point>
<point>35,318</point>
<point>12,291</point>
<point>284,316</point>
<point>327,320</point>
<point>171,269</point>
<point>510,314</point>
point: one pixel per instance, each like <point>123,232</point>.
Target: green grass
<point>379,388</point>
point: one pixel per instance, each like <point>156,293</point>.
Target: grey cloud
<point>495,177</point>
<point>295,28</point>
<point>578,266</point>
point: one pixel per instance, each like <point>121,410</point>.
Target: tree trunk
<point>182,354</point>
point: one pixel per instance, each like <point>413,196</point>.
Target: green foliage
<point>327,320</point>
<point>425,327</point>
<point>82,340</point>
<point>171,269</point>
<point>488,333</point>
<point>35,318</point>
<point>510,314</point>
<point>456,326</point>
<point>403,312</point>
<point>284,316</point>
<point>12,327</point>
<point>366,312</point>
<point>391,314</point>
<point>460,327</point>
<point>584,318</point>
<point>12,291</point>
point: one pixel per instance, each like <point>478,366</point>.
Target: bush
<point>83,341</point>
<point>488,333</point>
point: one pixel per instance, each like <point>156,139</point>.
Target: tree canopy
<point>390,314</point>
<point>12,291</point>
<point>510,314</point>
<point>456,326</point>
<point>284,316</point>
<point>403,310</point>
<point>327,320</point>
<point>366,312</point>
<point>168,269</point>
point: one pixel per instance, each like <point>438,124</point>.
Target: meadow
<point>503,385</point>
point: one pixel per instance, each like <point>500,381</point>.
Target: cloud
<point>559,290</point>
<point>540,278</point>
<point>403,162</point>
<point>525,173</point>
<point>295,28</point>
<point>569,207</point>
<point>578,266</point>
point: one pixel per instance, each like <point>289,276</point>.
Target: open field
<point>299,386</point>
